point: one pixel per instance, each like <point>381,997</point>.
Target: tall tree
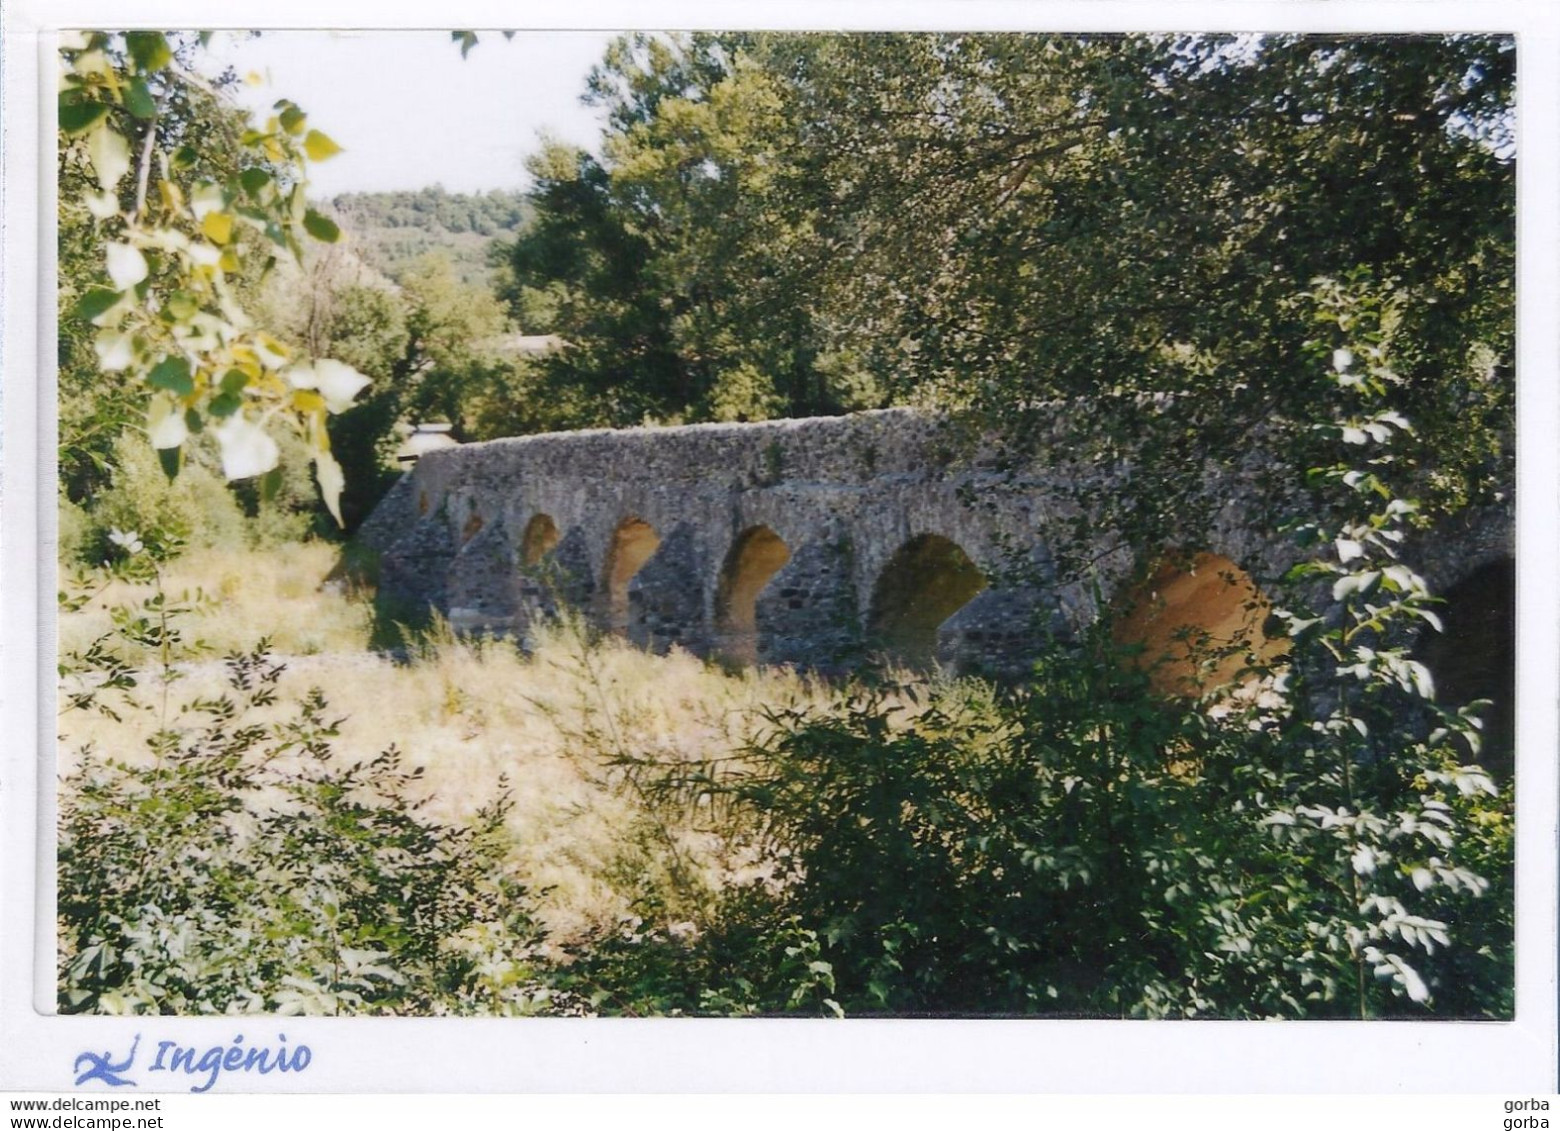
<point>1022,219</point>
<point>1128,226</point>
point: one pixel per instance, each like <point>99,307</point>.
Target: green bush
<point>197,509</point>
<point>246,869</point>
<point>74,530</point>
<point>1082,847</point>
<point>194,509</point>
<point>240,865</point>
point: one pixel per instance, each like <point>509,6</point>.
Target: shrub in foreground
<point>244,868</point>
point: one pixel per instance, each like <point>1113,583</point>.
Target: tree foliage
<point>392,230</point>
<point>786,224</point>
<point>160,222</point>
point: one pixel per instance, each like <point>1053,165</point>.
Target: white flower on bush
<point>127,540</point>
<point>246,449</point>
<point>336,382</point>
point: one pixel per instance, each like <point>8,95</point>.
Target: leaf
<point>126,265</point>
<point>246,449</point>
<point>206,199</point>
<point>304,400</point>
<point>78,115</point>
<point>292,119</point>
<point>224,405</point>
<point>1355,583</point>
<point>182,306</point>
<point>254,180</point>
<point>149,49</point>
<point>165,424</point>
<point>104,205</point>
<point>114,351</point>
<point>1364,861</point>
<point>110,156</point>
<point>331,479</point>
<point>170,459</point>
<point>319,147</point>
<point>338,383</point>
<point>96,301</point>
<point>138,100</point>
<point>172,374</point>
<point>466,39</point>
<point>218,226</point>
<point>321,227</point>
<point>233,381</point>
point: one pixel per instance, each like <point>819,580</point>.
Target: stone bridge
<point>816,542</point>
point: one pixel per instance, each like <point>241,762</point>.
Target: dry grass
<point>281,593</point>
<point>478,714</point>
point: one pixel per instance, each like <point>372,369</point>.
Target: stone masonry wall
<point>879,523</point>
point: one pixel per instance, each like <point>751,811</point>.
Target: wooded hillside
<point>392,230</point>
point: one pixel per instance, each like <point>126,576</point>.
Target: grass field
<point>475,715</point>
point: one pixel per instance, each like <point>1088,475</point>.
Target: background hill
<point>390,230</point>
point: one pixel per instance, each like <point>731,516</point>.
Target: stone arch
<point>1475,657</point>
<point>633,543</point>
<point>541,580</point>
<point>539,540</point>
<point>1198,620</point>
<point>754,558</point>
<point>927,580</point>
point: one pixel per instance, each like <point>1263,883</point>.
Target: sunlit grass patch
<point>556,726</point>
<point>282,593</point>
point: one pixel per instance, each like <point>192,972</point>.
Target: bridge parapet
<point>810,542</point>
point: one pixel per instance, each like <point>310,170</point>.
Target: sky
<point>409,112</point>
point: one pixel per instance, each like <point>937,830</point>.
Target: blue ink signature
<point>99,1068</point>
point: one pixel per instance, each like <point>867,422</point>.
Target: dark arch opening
<point>1476,656</point>
<point>927,580</point>
<point>1198,621</point>
<point>633,542</point>
<point>754,558</point>
<point>539,540</point>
